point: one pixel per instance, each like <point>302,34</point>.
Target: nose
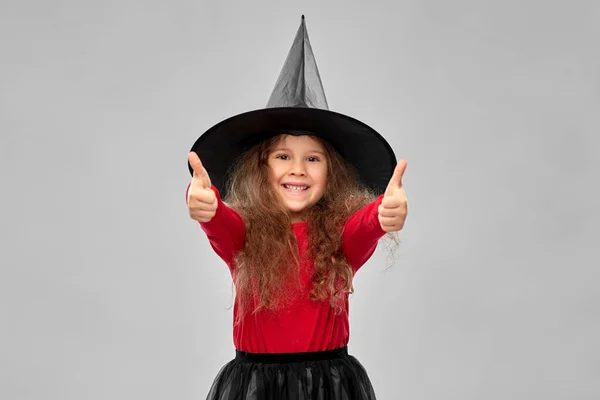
<point>298,168</point>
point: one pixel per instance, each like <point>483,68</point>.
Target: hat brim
<point>359,144</point>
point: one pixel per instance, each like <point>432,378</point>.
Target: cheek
<point>271,175</point>
<point>274,177</point>
<point>322,177</point>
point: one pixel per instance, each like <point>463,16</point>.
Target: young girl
<point>293,266</point>
<point>298,200</point>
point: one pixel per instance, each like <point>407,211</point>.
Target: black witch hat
<point>297,103</point>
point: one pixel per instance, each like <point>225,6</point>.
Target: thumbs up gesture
<point>393,207</point>
<point>202,201</point>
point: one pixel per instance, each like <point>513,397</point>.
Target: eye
<point>314,158</point>
<point>282,156</point>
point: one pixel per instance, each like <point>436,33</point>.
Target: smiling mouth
<point>293,188</point>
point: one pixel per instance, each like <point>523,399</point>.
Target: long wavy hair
<point>266,273</point>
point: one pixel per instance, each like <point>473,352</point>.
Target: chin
<point>296,210</point>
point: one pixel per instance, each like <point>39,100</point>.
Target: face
<point>298,173</point>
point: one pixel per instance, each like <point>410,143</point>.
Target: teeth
<point>296,188</point>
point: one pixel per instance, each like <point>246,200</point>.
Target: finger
<point>397,214</point>
<point>395,201</point>
<point>392,223</point>
<point>391,212</point>
<point>202,215</point>
<point>396,180</point>
<point>203,196</point>
<point>399,173</point>
<point>200,172</point>
<point>388,220</point>
<point>391,228</point>
<point>195,162</point>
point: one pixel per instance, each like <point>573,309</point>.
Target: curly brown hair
<point>268,261</point>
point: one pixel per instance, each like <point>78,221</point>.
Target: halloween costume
<point>306,325</point>
<point>300,352</point>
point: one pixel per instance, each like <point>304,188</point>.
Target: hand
<point>202,201</point>
<point>393,208</point>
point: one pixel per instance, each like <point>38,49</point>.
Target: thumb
<point>200,173</point>
<point>396,180</point>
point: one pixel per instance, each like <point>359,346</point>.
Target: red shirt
<point>305,325</point>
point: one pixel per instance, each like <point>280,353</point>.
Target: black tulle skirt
<point>323,375</point>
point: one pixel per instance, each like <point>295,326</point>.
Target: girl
<point>280,235</point>
<point>297,199</point>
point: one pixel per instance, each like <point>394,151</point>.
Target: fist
<point>393,208</point>
<point>202,201</point>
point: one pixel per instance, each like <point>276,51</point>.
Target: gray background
<point>109,291</point>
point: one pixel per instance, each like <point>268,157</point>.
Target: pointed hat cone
<point>296,105</point>
<point>299,83</point>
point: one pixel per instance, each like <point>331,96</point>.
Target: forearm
<point>361,234</point>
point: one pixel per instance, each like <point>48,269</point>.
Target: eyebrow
<point>286,149</point>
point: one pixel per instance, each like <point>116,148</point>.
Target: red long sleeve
<point>225,231</point>
<point>361,234</point>
<point>305,325</point>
